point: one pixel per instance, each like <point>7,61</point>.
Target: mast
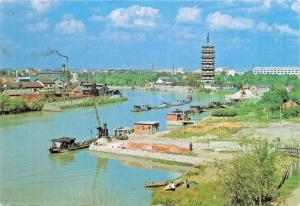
<point>207,38</point>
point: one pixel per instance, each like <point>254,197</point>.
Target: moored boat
<point>65,144</point>
<point>155,184</point>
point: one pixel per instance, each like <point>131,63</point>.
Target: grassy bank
<point>204,190</point>
<point>89,102</point>
<point>220,183</point>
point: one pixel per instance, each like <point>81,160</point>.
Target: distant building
<point>48,74</point>
<point>163,81</point>
<point>226,85</point>
<point>208,62</point>
<point>277,70</point>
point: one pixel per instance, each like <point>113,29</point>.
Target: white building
<point>277,70</point>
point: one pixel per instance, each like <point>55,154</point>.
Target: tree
<point>220,79</point>
<point>250,179</point>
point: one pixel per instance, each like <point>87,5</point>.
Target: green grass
<point>202,191</point>
<point>290,185</point>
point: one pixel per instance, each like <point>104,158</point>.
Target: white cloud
<point>134,16</point>
<point>283,29</point>
<point>69,25</point>
<point>96,18</point>
<point>42,5</point>
<point>121,36</point>
<point>296,6</point>
<point>40,26</point>
<point>263,26</point>
<point>184,34</point>
<point>219,21</point>
<point>188,15</point>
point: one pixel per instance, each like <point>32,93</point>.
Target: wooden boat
<point>65,144</point>
<point>137,108</point>
<point>155,184</point>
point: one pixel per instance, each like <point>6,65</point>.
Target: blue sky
<point>101,34</point>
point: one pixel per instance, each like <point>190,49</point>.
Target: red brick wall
<point>142,129</point>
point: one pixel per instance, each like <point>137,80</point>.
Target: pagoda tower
<point>208,62</point>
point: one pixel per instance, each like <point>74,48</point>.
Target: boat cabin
<point>146,127</point>
<point>196,108</point>
<point>123,131</point>
<point>64,142</point>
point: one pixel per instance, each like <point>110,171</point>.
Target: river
<point>29,175</point>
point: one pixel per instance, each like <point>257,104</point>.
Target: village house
<point>262,88</point>
<point>288,88</point>
<point>163,81</point>
<point>33,86</point>
<point>289,105</point>
<point>241,95</point>
<point>17,92</point>
<point>146,127</point>
<point>48,84</point>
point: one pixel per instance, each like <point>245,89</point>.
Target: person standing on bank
<point>173,187</point>
<point>187,184</point>
<point>191,146</point>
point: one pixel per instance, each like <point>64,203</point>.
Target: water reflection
<point>62,159</point>
<point>140,163</point>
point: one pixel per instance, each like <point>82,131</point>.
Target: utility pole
<point>151,66</point>
<point>173,70</point>
<point>280,113</point>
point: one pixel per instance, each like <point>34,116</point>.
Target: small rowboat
<point>155,184</point>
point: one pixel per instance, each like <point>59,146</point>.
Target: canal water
<point>29,175</point>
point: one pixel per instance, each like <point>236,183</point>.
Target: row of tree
<point>18,105</point>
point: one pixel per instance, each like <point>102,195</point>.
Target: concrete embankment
<point>182,159</point>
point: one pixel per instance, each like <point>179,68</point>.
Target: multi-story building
<point>48,74</point>
<point>277,70</point>
<point>208,62</point>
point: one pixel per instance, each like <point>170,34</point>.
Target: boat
<point>65,144</point>
<point>155,184</point>
<point>138,108</point>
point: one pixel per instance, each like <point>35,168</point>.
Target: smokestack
<point>51,52</point>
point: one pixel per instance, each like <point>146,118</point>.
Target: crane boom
<point>97,114</point>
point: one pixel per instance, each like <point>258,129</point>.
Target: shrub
<point>292,112</point>
<point>37,105</point>
<point>224,113</point>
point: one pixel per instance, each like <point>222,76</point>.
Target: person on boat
<point>187,184</point>
<point>173,187</point>
<point>191,146</point>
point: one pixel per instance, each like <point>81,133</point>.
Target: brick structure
<point>174,116</point>
<point>146,128</point>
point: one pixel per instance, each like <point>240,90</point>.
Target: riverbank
<point>86,102</point>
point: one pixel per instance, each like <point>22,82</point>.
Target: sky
<point>122,34</point>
